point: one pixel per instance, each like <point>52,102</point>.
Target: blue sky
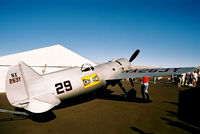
<point>166,31</point>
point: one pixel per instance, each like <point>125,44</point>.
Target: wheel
<point>131,95</point>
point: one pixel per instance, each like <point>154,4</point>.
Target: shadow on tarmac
<point>43,117</point>
<point>182,125</point>
<point>139,131</point>
<point>106,94</point>
<point>174,103</point>
<point>40,118</point>
<point>49,116</point>
<point>75,101</point>
<point>188,111</point>
<point>100,94</point>
<point>14,118</point>
<point>188,106</point>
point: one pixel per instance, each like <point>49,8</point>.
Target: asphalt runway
<point>108,113</point>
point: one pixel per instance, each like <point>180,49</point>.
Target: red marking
<point>15,80</point>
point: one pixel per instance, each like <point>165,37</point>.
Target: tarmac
<point>108,113</point>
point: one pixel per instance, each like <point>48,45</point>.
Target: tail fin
<point>24,90</point>
<point>18,81</point>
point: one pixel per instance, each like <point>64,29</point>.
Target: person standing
<point>198,80</point>
<point>187,77</point>
<point>154,79</point>
<point>144,88</point>
<point>179,78</point>
<point>183,79</point>
<point>195,78</point>
<point>172,78</point>
<point>191,79</point>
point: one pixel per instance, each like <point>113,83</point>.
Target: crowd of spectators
<point>191,79</point>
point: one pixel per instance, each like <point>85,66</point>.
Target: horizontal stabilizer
<point>42,103</point>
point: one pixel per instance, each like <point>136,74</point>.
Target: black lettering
<point>164,70</point>
<point>143,70</point>
<point>67,85</point>
<point>63,87</point>
<point>130,71</point>
<point>134,71</point>
<point>59,88</point>
<point>153,70</point>
<point>175,69</point>
<point>125,71</point>
<point>14,75</point>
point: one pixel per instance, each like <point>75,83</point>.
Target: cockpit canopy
<point>87,67</point>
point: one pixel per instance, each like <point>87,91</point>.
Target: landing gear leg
<point>129,95</point>
<point>131,81</point>
<point>122,87</point>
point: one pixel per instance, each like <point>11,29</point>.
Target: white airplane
<point>37,93</point>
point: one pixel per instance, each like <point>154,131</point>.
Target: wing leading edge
<point>138,73</point>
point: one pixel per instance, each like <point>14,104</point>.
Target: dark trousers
<point>143,93</point>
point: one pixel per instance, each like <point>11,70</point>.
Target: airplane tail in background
<point>24,90</point>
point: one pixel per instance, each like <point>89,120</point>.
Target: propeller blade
<point>134,55</point>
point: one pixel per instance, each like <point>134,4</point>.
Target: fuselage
<point>76,81</point>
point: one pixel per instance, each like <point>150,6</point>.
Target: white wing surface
<point>137,73</point>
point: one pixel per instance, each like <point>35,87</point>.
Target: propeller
<point>134,55</point>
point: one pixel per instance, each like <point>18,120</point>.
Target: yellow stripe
<point>90,80</point>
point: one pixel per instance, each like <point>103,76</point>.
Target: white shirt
<point>195,76</point>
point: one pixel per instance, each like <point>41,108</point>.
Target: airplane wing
<point>138,73</point>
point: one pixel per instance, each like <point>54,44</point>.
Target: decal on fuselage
<point>90,80</point>
<point>14,78</point>
<point>63,87</point>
